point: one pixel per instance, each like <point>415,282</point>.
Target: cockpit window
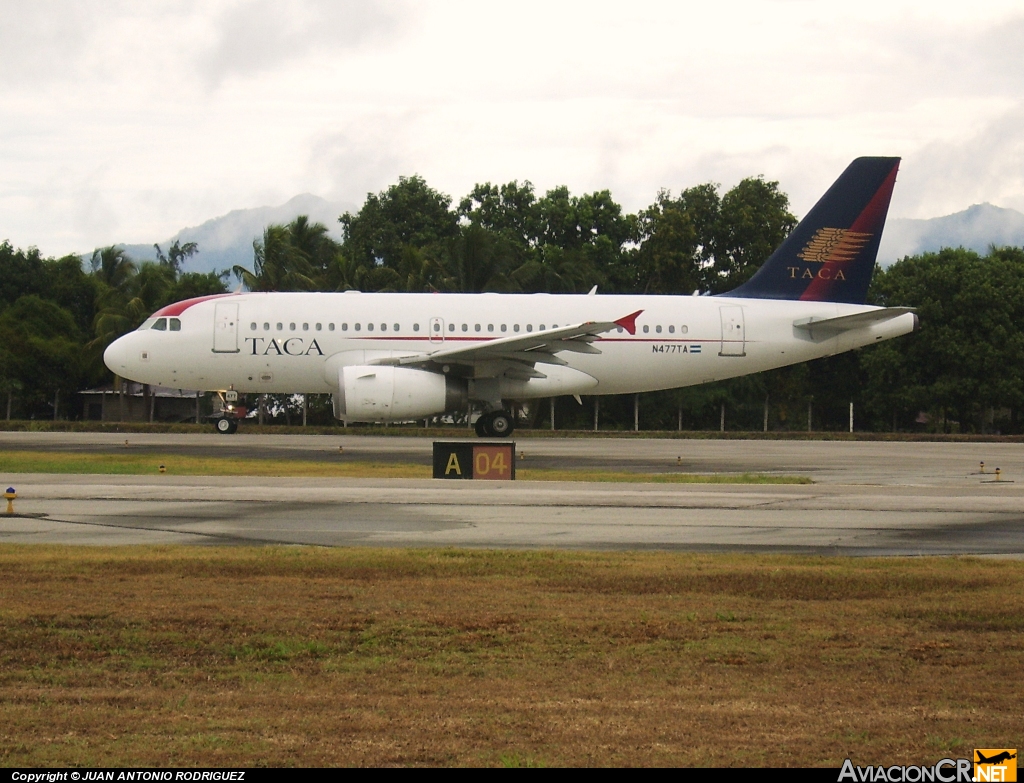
<point>160,324</point>
<point>147,324</point>
<point>175,324</point>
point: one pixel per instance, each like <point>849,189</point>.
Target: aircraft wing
<point>523,350</point>
<point>856,321</point>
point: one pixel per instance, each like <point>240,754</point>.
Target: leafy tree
<point>42,347</point>
<point>192,284</point>
<point>62,281</point>
<point>409,213</point>
<point>676,241</point>
<point>702,242</point>
<point>968,356</point>
<point>753,220</point>
<point>475,261</point>
<point>509,210</point>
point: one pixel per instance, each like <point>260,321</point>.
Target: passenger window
<point>541,327</point>
<point>504,328</point>
<point>416,327</point>
<point>646,328</point>
<point>305,327</point>
<point>671,329</point>
<point>529,327</point>
<point>175,324</point>
<point>252,326</point>
<point>476,328</point>
<point>266,327</point>
<point>515,328</point>
<point>358,327</point>
<point>160,325</point>
<point>369,327</point>
<point>490,327</point>
<point>465,327</point>
<point>383,327</point>
<point>344,327</point>
<point>291,327</point>
<point>397,328</point>
<point>319,327</point>
<point>280,327</point>
<point>451,327</point>
<point>330,327</point>
<point>619,330</point>
<point>683,329</point>
<point>657,329</point>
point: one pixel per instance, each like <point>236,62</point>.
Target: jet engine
<point>372,393</point>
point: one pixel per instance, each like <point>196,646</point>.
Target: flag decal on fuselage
<point>833,244</point>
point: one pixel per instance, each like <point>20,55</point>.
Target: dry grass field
<point>307,656</point>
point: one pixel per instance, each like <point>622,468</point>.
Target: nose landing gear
<point>226,420</point>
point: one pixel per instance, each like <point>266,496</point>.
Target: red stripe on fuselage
<point>179,307</point>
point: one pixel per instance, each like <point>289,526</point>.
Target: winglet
<point>629,322</point>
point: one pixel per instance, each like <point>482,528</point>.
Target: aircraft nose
<point>116,356</point>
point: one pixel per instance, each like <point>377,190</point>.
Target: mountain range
<point>975,228</point>
<point>227,240</point>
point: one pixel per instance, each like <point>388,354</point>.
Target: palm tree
<point>119,308</point>
<point>112,266</point>
<point>177,254</point>
<point>277,264</point>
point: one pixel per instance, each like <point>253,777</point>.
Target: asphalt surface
<point>868,498</point>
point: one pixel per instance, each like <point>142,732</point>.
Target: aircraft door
<point>734,340</point>
<point>436,330</point>
<point>225,328</point>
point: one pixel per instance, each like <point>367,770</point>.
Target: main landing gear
<point>226,425</point>
<point>496,424</point>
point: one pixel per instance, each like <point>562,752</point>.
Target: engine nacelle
<point>371,393</point>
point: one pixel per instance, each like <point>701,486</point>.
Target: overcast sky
<point>126,121</point>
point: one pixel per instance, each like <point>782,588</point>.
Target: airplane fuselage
<point>297,342</point>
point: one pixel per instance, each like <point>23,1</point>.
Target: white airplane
<point>399,357</point>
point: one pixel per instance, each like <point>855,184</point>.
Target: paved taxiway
<point>868,498</point>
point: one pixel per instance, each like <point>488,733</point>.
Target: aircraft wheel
<point>481,426</point>
<point>226,426</point>
<point>501,424</point>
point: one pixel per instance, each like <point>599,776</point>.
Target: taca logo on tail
<point>831,253</point>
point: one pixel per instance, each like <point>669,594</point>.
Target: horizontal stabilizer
<point>845,323</point>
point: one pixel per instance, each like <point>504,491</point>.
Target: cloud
<point>171,111</point>
<point>943,177</point>
<point>366,156</point>
<point>253,36</point>
<point>47,38</point>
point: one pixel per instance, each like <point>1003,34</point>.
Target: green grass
<point>128,462</point>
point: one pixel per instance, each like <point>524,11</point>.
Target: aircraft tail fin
<point>831,253</point>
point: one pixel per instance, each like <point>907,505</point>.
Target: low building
<point>138,403</point>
